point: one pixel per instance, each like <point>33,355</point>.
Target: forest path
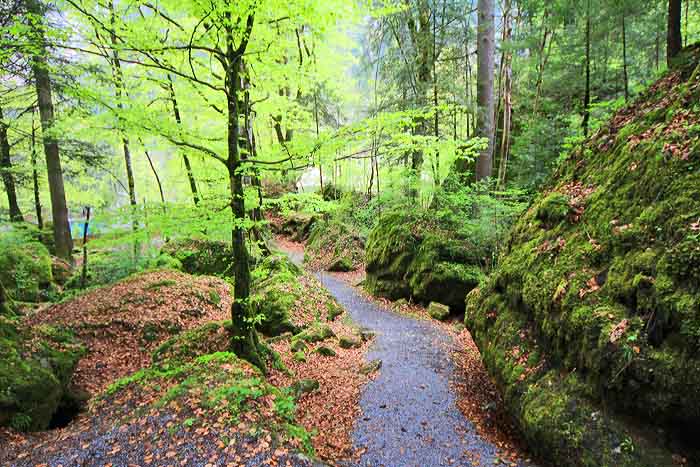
<point>409,412</point>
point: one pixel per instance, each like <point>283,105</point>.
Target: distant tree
<point>674,41</point>
<point>40,70</point>
<point>486,51</point>
<point>8,178</point>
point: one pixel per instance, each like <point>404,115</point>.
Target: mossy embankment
<point>410,256</point>
<point>591,323</point>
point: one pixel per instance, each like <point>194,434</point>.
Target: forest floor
<point>432,403</point>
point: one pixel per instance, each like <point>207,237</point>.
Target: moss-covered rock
<point>591,323</point>
<point>334,246</point>
<point>438,311</point>
<point>276,291</point>
<point>348,342</point>
<point>25,264</point>
<point>409,257</point>
<point>36,366</point>
<point>317,332</point>
<point>199,256</point>
<point>296,225</point>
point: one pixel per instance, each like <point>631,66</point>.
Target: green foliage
<point>25,264</point>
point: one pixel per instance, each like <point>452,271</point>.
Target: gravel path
<point>409,413</point>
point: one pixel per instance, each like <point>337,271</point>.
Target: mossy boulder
<point>296,225</point>
<point>438,311</point>
<point>199,256</point>
<point>408,257</point>
<point>25,264</point>
<point>317,332</point>
<point>276,291</point>
<point>334,246</point>
<point>348,342</point>
<point>591,323</point>
<point>36,366</point>
<point>325,351</point>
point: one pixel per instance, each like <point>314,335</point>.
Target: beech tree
<point>486,50</point>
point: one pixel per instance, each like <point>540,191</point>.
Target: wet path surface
<point>409,413</point>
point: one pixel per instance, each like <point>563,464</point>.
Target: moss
<point>407,258</point>
<point>317,332</point>
<point>276,291</point>
<point>219,386</point>
<point>553,208</point>
<point>334,246</point>
<point>198,256</point>
<point>35,371</point>
<point>438,311</point>
<point>591,322</point>
<point>25,265</point>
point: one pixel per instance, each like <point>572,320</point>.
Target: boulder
<point>304,386</point>
<point>317,332</point>
<point>325,351</point>
<point>25,265</point>
<point>590,325</point>
<point>371,367</point>
<point>200,256</point>
<point>409,257</point>
<point>438,311</point>
<point>36,366</point>
<point>348,342</point>
<point>276,291</point>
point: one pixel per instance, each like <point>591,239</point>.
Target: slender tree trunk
<point>587,92</point>
<point>155,174</point>
<point>118,77</point>
<point>506,95</point>
<point>244,337</point>
<point>185,159</point>
<point>486,33</point>
<point>59,209</point>
<point>5,302</point>
<point>35,180</point>
<point>8,179</point>
<point>624,57</point>
<point>674,41</point>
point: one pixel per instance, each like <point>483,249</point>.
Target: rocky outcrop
<point>36,366</point>
<point>591,323</point>
<point>199,256</point>
<point>406,257</point>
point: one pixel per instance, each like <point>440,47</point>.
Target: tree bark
<point>624,57</point>
<point>587,91</point>
<point>8,179</point>
<point>35,180</point>
<point>59,209</point>
<point>507,83</point>
<point>486,38</point>
<point>118,77</point>
<point>674,41</point>
<point>5,302</point>
<point>244,340</point>
<point>186,160</point>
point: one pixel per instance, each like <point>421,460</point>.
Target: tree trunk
<point>506,59</point>
<point>244,340</point>
<point>35,180</point>
<point>5,302</point>
<point>674,41</point>
<point>186,160</point>
<point>6,171</point>
<point>59,208</point>
<point>587,91</point>
<point>624,58</point>
<point>118,77</point>
<point>486,38</point>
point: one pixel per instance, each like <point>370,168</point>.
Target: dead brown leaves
<point>122,324</point>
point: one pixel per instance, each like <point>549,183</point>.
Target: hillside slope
<point>591,323</point>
